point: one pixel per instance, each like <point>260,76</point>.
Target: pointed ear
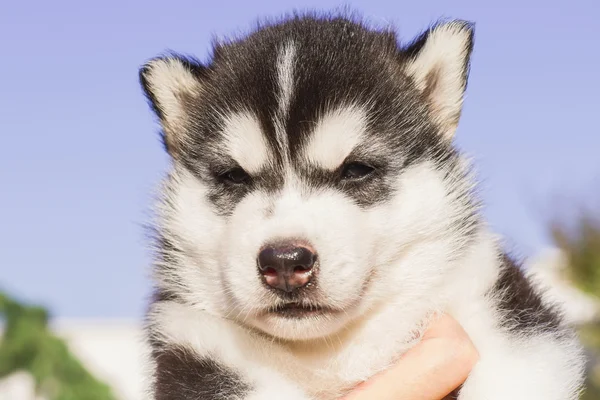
<point>438,61</point>
<point>169,82</point>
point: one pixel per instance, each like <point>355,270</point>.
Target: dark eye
<point>237,176</point>
<point>356,170</point>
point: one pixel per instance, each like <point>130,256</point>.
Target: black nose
<point>288,267</point>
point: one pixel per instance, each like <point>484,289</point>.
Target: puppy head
<point>313,172</point>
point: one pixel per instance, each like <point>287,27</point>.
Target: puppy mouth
<point>297,310</point>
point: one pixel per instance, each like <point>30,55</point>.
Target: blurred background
<point>80,159</point>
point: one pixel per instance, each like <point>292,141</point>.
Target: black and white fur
<point>291,108</point>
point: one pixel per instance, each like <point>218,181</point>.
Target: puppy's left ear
<point>169,83</point>
<point>438,61</point>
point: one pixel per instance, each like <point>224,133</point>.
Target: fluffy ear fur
<point>168,82</point>
<point>439,64</point>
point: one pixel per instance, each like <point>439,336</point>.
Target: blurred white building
<point>113,351</point>
<point>549,268</point>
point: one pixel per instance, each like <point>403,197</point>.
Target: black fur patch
<point>181,375</point>
<point>163,295</point>
<point>453,395</point>
<point>522,308</point>
<point>339,61</point>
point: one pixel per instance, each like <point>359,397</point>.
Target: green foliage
<point>580,241</point>
<point>28,345</point>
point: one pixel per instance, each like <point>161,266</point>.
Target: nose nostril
<point>269,271</point>
<point>302,268</point>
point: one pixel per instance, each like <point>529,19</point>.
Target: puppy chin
<point>301,328</point>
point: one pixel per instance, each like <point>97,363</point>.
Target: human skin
<point>431,370</point>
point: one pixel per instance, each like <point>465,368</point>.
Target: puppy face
<point>313,173</point>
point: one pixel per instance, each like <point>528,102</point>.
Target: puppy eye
<point>356,170</point>
<point>236,176</point>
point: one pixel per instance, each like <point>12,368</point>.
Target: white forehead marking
<point>285,75</point>
<point>245,142</point>
<point>336,134</point>
<point>285,80</point>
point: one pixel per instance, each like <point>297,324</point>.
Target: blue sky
<point>80,157</point>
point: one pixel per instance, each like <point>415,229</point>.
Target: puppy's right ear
<point>169,82</point>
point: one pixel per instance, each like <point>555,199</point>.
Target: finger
<point>435,367</point>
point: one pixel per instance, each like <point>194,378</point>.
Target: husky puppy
<point>317,214</point>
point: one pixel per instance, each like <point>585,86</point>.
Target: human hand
<point>431,370</point>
